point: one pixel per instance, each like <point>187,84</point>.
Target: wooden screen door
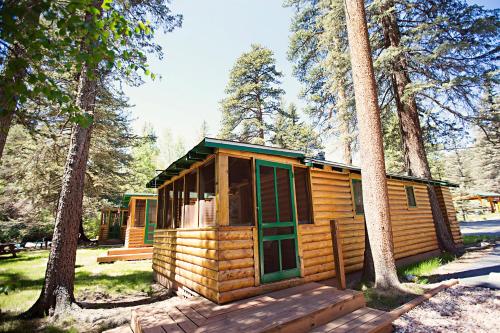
<point>149,229</point>
<point>277,221</point>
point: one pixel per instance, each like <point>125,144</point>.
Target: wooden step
<point>114,252</point>
<point>125,257</point>
<point>363,320</point>
<point>296,309</point>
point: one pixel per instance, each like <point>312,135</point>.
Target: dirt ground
<point>457,309</point>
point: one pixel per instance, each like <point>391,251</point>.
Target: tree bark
<point>344,124</point>
<point>57,294</point>
<point>415,157</point>
<point>375,194</point>
<point>6,117</point>
<point>368,273</point>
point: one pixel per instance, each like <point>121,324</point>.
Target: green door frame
<point>281,274</point>
<point>147,224</point>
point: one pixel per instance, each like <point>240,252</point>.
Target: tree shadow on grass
<point>16,280</point>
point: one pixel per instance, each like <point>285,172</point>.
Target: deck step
<point>297,309</point>
<point>363,320</point>
<point>125,257</point>
<point>130,251</point>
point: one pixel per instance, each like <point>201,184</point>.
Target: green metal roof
<point>207,147</point>
<point>312,161</point>
<point>126,197</point>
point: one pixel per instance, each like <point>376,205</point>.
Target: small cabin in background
<point>236,220</point>
<point>113,225</point>
<point>135,223</point>
<point>141,221</point>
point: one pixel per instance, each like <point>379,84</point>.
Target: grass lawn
<point>420,270</point>
<point>22,277</point>
<point>473,239</point>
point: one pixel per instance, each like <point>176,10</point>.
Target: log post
<point>337,254</point>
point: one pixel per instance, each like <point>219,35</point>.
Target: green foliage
<point>475,239</point>
<point>421,270</point>
<point>171,149</point>
<point>319,50</point>
<point>291,133</point>
<point>143,166</point>
<point>253,97</point>
<point>42,41</point>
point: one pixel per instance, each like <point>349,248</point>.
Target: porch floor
<point>136,253</point>
<point>311,306</point>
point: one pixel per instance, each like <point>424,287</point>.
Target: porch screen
<point>124,217</point>
<point>140,213</point>
<point>161,205</point>
<point>206,194</point>
<point>302,195</point>
<point>169,199</point>
<point>190,195</point>
<point>178,201</point>
<point>240,192</point>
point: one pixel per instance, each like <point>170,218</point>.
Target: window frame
<point>408,198</point>
<point>309,189</point>
<point>355,180</point>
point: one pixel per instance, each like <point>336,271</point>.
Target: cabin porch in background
<point>137,229</point>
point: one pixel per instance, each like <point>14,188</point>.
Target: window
<point>178,201</point>
<point>140,213</point>
<point>302,195</point>
<point>190,195</point>
<point>161,205</point>
<point>410,196</point>
<point>357,191</point>
<point>103,218</point>
<point>240,191</point>
<point>206,194</point>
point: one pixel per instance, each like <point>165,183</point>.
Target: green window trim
<point>411,200</point>
<point>148,236</point>
<point>355,196</point>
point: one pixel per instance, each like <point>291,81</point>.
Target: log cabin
<point>236,220</point>
<point>111,227</point>
<point>137,223</point>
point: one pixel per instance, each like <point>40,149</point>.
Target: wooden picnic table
<point>6,248</point>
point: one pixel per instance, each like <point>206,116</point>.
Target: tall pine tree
<point>253,97</point>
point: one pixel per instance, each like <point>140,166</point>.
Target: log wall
<point>103,232</point>
<point>450,215</point>
<point>188,257</point>
<point>413,228</point>
<point>134,237</point>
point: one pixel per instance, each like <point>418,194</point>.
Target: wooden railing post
<point>337,254</point>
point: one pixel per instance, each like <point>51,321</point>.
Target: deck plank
<point>182,320</point>
<point>275,313</point>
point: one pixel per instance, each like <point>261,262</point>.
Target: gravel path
<point>456,309</point>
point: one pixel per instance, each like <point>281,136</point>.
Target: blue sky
<point>199,56</point>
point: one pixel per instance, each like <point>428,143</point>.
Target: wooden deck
<point>311,306</point>
<point>138,253</point>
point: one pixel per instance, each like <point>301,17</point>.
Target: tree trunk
<point>344,124</point>
<point>415,156</point>
<point>375,195</point>
<point>57,292</point>
<point>368,273</point>
<point>8,103</point>
<point>6,117</point>
<point>82,238</point>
